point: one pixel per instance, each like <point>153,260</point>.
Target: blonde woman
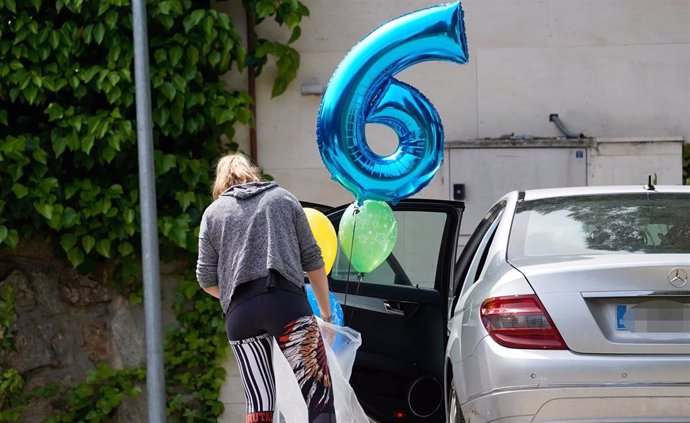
<point>254,245</point>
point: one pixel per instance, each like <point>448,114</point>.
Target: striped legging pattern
<point>256,369</point>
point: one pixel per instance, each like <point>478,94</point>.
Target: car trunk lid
<point>616,304</point>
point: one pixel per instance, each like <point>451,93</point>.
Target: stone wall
<point>67,323</point>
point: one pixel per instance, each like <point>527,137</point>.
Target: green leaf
<point>56,218</point>
<point>160,116</point>
<point>87,74</point>
<point>71,189</point>
<point>103,7</point>
<point>263,47</point>
<point>175,55</point>
<point>99,33</point>
<point>296,33</point>
<point>128,215</point>
<point>292,20</point>
<point>75,256</point>
<point>88,242</point>
<point>111,19</point>
<point>168,90</point>
<point>69,217</point>
<point>13,145</point>
<point>125,249</point>
<point>40,156</point>
<point>179,237</point>
<point>115,190</point>
<point>87,142</point>
<point>54,112</point>
<point>193,19</point>
<point>244,115</point>
<point>49,83</point>
<point>114,95</point>
<point>166,21</point>
<point>12,238</point>
<point>30,93</point>
<point>45,210</point>
<point>114,78</point>
<point>3,117</point>
<point>11,5</point>
<point>160,55</point>
<point>193,55</point>
<point>67,241</point>
<point>48,184</point>
<point>20,191</point>
<point>214,58</point>
<point>15,171</point>
<point>103,247</point>
<point>265,8</point>
<point>54,39</point>
<point>76,122</point>
<point>164,162</point>
<point>3,233</point>
<point>164,7</point>
<point>88,34</point>
<point>185,199</point>
<point>36,79</point>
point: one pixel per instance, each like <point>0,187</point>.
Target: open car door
<point>317,206</point>
<point>400,309</point>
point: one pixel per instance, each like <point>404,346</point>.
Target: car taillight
<point>520,322</point>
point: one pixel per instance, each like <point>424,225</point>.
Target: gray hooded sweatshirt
<point>250,229</point>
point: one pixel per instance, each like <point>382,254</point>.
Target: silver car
<point>574,305</point>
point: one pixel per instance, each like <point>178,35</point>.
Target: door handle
<point>392,310</point>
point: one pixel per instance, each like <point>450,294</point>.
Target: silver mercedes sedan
<point>573,305</point>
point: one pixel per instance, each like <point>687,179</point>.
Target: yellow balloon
<point>325,236</point>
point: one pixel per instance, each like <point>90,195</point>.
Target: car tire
<point>454,410</point>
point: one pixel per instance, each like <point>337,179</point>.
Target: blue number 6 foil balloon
<point>363,90</point>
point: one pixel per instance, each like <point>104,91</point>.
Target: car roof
<point>537,194</point>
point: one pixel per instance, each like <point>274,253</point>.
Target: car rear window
<point>601,224</point>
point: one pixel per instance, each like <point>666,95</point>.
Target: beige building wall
<point>626,161</point>
<point>609,68</point>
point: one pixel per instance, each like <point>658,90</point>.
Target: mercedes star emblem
<point>677,277</point>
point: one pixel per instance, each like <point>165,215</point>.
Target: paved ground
<point>232,394</point>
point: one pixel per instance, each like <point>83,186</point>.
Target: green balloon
<point>368,234</point>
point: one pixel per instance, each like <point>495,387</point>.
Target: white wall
<point>625,161</point>
<point>609,68</point>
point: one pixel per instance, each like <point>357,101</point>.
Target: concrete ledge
<point>522,142</point>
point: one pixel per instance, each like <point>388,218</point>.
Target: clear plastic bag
<point>341,347</point>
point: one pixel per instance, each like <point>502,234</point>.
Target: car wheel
<point>454,411</point>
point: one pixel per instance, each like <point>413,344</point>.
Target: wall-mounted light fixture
<point>312,86</point>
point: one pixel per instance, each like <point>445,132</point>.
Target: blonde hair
<point>234,169</point>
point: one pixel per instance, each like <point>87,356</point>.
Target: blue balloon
<point>362,90</point>
<point>336,309</point>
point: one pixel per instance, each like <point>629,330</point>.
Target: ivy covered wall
<point>68,163</point>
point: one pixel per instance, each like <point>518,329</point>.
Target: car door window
<point>479,259</point>
<point>415,258</point>
<point>468,262</point>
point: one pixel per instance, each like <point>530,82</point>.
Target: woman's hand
<point>213,291</point>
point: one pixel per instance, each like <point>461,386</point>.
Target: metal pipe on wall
<point>155,378</point>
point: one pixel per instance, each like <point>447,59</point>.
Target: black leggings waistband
<point>274,280</point>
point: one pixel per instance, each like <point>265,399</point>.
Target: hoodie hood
<point>244,191</point>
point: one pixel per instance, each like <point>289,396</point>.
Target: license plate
<point>658,316</point>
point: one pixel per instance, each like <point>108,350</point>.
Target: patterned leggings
<point>273,307</point>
